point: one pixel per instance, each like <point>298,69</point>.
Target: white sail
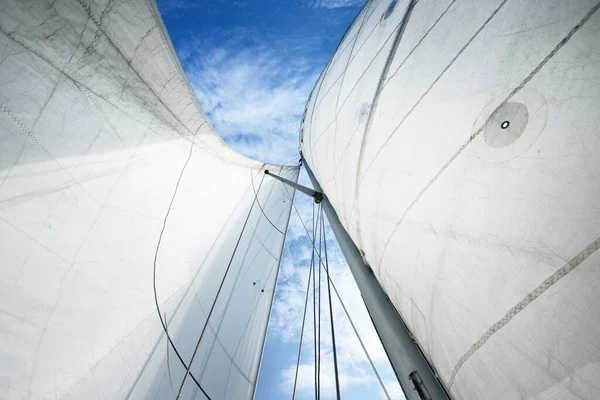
<point>458,142</point>
<point>114,189</point>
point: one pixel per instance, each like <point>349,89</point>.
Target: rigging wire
<point>187,372</point>
<point>335,363</point>
<point>258,202</point>
<point>387,395</point>
<point>315,303</point>
<point>320,214</point>
<point>302,331</point>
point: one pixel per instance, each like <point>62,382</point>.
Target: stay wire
<point>320,215</point>
<point>302,331</point>
<point>335,363</point>
<point>315,224</point>
<point>187,372</point>
<point>387,395</point>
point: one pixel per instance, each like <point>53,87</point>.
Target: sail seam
<point>34,139</point>
<point>387,79</point>
<point>92,18</point>
<point>410,53</point>
<point>374,103</point>
<point>350,57</point>
<point>435,81</point>
<point>476,133</point>
<point>342,75</point>
<point>331,62</point>
<point>81,84</point>
<point>67,73</point>
<point>537,292</point>
<point>100,110</point>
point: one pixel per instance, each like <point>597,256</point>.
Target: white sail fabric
<point>113,186</point>
<point>458,142</point>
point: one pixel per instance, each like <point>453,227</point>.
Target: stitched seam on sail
<point>387,79</point>
<point>81,84</point>
<point>372,109</point>
<point>318,98</point>
<point>100,110</point>
<point>29,134</point>
<point>419,43</point>
<point>537,292</point>
<point>178,134</point>
<point>441,74</point>
<point>475,134</point>
<point>88,11</point>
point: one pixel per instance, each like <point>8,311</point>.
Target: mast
<point>414,374</point>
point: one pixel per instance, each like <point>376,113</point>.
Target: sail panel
<point>476,230</point>
<point>113,185</point>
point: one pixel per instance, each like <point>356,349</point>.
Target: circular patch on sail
<point>506,124</point>
<point>507,127</point>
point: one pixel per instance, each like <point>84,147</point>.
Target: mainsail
<point>138,253</point>
<point>458,143</point>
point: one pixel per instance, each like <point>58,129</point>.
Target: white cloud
<point>306,378</point>
<point>254,97</point>
<point>338,3</point>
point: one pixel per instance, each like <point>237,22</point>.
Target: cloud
<point>337,3</point>
<point>254,97</point>
<point>306,375</point>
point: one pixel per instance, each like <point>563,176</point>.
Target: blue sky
<point>252,65</point>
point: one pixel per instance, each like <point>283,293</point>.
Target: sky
<point>252,65</point>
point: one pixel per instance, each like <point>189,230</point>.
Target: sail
<point>458,143</point>
<point>135,246</point>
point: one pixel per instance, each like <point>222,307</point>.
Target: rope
<point>162,322</point>
<point>335,364</point>
<point>187,372</point>
<point>258,202</point>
